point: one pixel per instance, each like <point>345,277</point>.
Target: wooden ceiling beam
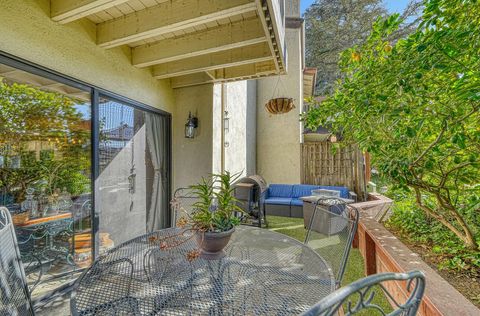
<point>167,17</point>
<point>65,11</point>
<point>225,37</point>
<point>246,71</point>
<point>190,80</point>
<point>234,57</point>
<point>243,72</point>
<point>261,10</point>
<point>211,74</point>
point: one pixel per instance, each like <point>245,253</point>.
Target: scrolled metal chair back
<point>14,293</point>
<point>331,231</point>
<point>182,204</point>
<point>359,295</point>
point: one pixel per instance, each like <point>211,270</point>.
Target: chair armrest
<point>353,196</point>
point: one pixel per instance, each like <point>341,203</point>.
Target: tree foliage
<point>335,25</point>
<point>414,105</point>
<point>30,116</point>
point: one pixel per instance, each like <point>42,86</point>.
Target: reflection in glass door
<point>45,174</point>
<point>132,185</point>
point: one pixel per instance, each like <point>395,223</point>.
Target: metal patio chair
<point>359,296</point>
<point>330,233</point>
<point>15,296</point>
<point>14,293</point>
<point>182,204</point>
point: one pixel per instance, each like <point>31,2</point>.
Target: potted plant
<point>213,218</point>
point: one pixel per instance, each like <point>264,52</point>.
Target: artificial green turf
<point>293,227</point>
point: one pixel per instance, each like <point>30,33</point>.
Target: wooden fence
<point>344,166</point>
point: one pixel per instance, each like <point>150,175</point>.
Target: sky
<point>392,5</point>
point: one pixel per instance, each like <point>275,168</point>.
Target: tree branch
<point>439,137</point>
<point>433,214</point>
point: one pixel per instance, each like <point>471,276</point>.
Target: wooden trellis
<point>321,165</point>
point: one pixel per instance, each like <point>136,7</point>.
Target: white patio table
<point>263,273</point>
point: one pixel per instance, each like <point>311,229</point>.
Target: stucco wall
<point>217,145</point>
<point>192,158</point>
<point>27,31</point>
<point>292,8</point>
<point>239,144</point>
<point>279,136</point>
<point>235,137</point>
<point>251,126</point>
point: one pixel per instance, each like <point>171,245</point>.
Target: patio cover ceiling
<point>189,41</point>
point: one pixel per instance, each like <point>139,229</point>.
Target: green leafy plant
<point>414,105</point>
<point>216,206</point>
<point>412,224</point>
<point>214,212</point>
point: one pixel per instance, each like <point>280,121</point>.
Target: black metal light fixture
<point>192,124</point>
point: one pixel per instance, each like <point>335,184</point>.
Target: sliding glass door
<point>81,170</point>
<point>132,186</point>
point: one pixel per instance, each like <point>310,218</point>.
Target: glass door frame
<point>95,93</point>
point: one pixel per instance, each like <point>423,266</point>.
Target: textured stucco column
<point>278,136</point>
<point>240,136</point>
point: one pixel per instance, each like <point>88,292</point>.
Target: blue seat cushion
<point>300,190</point>
<point>343,190</point>
<point>278,201</point>
<point>280,190</point>
<point>297,202</point>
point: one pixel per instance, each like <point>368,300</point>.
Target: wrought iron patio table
<point>262,273</point>
<point>39,250</point>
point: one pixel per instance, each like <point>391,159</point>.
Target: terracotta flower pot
<point>211,244</point>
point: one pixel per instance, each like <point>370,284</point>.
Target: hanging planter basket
<point>280,105</point>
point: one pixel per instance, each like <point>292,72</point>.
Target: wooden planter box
<point>383,252</point>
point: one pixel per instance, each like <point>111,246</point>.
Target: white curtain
<point>156,129</point>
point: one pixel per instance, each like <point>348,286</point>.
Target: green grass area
<point>293,227</point>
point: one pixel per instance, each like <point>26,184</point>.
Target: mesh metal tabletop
<point>263,273</point>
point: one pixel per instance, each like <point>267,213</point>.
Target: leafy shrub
<point>417,227</point>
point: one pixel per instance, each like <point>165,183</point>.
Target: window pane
<point>133,180</point>
<point>45,174</point>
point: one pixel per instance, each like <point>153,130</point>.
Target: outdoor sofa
<point>284,199</point>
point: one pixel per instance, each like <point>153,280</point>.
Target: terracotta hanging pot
<point>280,105</point>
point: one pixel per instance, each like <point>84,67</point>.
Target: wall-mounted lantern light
<point>192,124</point>
<point>226,122</point>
